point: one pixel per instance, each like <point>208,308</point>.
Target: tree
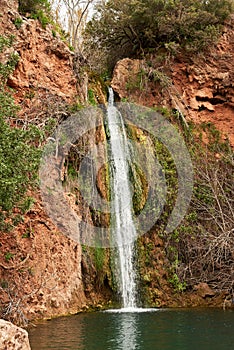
<point>76,16</point>
<point>130,28</point>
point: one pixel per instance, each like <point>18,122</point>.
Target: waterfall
<point>122,225</point>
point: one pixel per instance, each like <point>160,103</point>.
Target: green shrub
<point>176,283</point>
<point>8,68</point>
<point>8,256</point>
<point>6,41</point>
<point>132,28</point>
<point>42,18</point>
<point>19,159</point>
<point>32,6</point>
<point>18,22</point>
<point>37,9</point>
<point>19,162</point>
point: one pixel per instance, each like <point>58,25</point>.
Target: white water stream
<point>123,230</point>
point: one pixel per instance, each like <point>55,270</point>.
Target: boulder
<point>204,290</point>
<point>125,70</point>
<point>13,337</point>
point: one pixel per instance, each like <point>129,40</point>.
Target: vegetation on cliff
<point>32,6</point>
<point>133,28</point>
<point>201,248</point>
<point>18,156</point>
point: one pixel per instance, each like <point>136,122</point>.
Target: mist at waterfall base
<point>184,329</point>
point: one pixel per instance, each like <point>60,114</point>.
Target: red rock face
<point>44,73</point>
<point>124,70</point>
<point>45,63</point>
<point>45,266</point>
<point>44,80</point>
<point>202,86</point>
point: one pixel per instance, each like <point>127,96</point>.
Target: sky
<point>63,11</point>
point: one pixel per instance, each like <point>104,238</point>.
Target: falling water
<point>124,232</point>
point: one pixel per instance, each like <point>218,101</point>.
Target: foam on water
<point>132,310</point>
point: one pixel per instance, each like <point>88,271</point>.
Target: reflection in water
<point>61,333</point>
<point>162,330</point>
<point>127,329</point>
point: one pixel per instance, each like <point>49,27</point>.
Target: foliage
<point>91,97</point>
<point>75,19</point>
<point>42,18</point>
<point>201,247</point>
<point>38,9</point>
<point>8,68</point>
<point>177,284</point>
<point>18,22</point>
<point>19,162</point>
<point>99,258</point>
<point>33,6</point>
<point>8,256</point>
<point>130,28</point>
<point>6,41</point>
<point>19,159</point>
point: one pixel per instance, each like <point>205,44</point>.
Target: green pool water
<point>163,329</point>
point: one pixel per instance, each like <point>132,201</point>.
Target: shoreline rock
<point>13,337</point>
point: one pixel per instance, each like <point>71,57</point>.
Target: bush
<point>19,162</point>
<point>42,18</point>
<point>203,244</point>
<point>131,28</point>
<point>38,9</point>
<point>18,22</point>
<point>32,6</point>
<point>19,159</point>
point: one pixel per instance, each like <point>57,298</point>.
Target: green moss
<point>8,256</point>
<point>99,258</point>
<point>91,97</point>
<point>140,187</point>
<point>18,22</point>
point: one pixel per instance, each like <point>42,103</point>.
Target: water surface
<point>161,329</point>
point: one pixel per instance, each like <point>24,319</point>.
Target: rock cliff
<point>200,86</point>
<point>43,276</point>
<point>42,272</point>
